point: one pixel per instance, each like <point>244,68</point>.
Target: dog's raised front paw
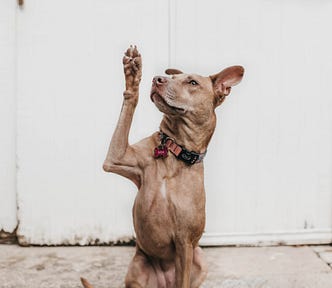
<point>132,65</point>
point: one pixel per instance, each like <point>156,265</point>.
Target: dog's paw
<point>132,65</point>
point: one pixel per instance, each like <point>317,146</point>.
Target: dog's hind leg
<point>140,272</point>
<point>199,268</point>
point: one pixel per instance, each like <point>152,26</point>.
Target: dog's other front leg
<point>183,263</point>
<point>121,157</point>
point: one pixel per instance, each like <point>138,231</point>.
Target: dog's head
<point>192,95</point>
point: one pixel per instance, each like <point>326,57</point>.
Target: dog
<point>167,168</point>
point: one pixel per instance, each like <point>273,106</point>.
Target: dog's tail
<point>85,283</point>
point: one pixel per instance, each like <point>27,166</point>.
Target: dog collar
<point>181,153</point>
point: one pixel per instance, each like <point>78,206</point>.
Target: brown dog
<point>169,210</point>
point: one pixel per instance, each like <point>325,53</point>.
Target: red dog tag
<point>160,152</point>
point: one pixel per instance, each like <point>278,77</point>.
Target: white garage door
<point>269,165</point>
<point>8,221</point>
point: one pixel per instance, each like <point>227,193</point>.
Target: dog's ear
<point>225,80</point>
<point>172,71</point>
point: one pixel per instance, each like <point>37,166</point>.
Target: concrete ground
<point>267,267</point>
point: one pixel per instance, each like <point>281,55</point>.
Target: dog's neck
<point>192,136</point>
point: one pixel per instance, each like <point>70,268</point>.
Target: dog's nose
<point>158,80</point>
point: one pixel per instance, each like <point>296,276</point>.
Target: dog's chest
<point>171,199</point>
<point>169,180</point>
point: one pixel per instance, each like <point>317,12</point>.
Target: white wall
<point>269,165</point>
<point>8,219</point>
<point>70,95</point>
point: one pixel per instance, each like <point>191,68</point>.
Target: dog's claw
<point>129,52</point>
<point>135,52</point>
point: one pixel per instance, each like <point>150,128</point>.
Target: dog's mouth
<point>160,101</point>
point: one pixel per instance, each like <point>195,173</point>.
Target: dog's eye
<point>193,82</point>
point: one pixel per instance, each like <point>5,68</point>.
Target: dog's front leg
<point>121,157</point>
<point>183,263</point>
